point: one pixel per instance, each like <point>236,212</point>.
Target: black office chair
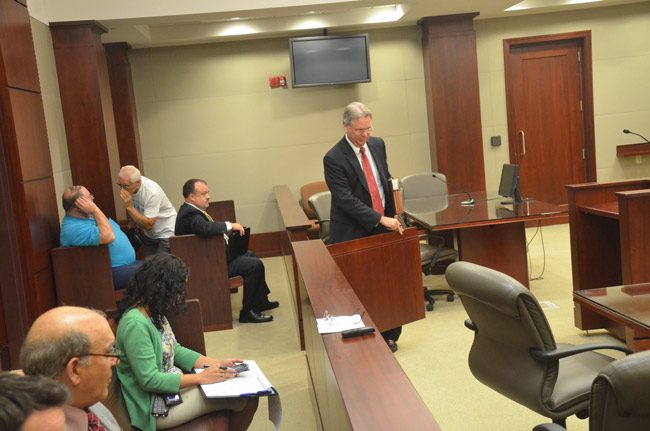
<point>434,256</point>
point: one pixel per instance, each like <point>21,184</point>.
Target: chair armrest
<point>470,325</point>
<point>563,352</point>
<point>549,427</point>
<point>322,221</point>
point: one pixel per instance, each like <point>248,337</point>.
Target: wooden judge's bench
<point>610,245</point>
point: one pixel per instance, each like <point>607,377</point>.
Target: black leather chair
<point>514,351</point>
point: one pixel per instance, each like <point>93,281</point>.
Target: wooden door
<point>550,137</point>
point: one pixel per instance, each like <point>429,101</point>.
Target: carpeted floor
<point>432,351</point>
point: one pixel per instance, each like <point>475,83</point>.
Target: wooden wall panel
<point>17,46</point>
<point>28,211</point>
<point>126,119</point>
<point>87,108</point>
<point>42,223</point>
<point>451,77</point>
<point>28,111</point>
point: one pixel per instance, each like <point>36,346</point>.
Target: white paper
<point>339,323</point>
<point>251,382</point>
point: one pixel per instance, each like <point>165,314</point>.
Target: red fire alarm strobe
<point>277,81</point>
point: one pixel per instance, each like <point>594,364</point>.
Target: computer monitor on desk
<point>509,185</point>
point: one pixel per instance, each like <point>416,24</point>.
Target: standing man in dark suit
<point>356,172</point>
<point>192,218</point>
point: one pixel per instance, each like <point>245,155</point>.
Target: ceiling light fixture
<point>385,14</point>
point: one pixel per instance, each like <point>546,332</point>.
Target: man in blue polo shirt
<point>85,225</point>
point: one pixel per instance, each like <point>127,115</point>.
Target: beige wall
<point>621,71</point>
<point>207,111</point>
<point>52,105</point>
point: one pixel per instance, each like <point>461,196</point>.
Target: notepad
<point>251,383</point>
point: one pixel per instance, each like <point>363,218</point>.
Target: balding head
<point>68,344</point>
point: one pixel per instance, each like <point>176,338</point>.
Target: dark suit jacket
<point>352,215</point>
<point>191,220</point>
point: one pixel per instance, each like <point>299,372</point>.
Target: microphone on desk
<point>468,202</point>
<point>628,131</point>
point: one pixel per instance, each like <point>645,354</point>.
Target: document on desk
<point>251,383</point>
<point>332,324</point>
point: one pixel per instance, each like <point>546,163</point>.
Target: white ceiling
<point>146,23</point>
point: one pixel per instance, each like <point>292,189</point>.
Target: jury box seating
<point>185,329</point>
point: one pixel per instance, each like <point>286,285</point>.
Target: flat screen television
<point>509,184</point>
<point>329,60</point>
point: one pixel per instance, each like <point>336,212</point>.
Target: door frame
<point>584,40</point>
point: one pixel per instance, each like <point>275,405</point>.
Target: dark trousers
<point>251,268</point>
<point>153,246</point>
<point>122,274</point>
<point>392,334</point>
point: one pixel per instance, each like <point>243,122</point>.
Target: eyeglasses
<point>365,131</point>
<point>114,353</point>
<point>327,317</point>
<point>123,186</point>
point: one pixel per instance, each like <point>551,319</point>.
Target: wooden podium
<point>610,240</point>
<point>385,273</point>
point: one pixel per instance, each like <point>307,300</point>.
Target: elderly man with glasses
<point>356,172</point>
<point>85,225</point>
<point>148,207</point>
<point>75,346</point>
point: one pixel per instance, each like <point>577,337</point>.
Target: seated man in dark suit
<point>192,218</point>
<point>85,225</point>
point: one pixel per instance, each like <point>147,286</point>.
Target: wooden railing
<point>358,383</point>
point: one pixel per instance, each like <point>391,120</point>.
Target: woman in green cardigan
<point>152,362</point>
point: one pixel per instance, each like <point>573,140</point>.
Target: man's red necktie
<point>372,183</point>
<point>94,424</point>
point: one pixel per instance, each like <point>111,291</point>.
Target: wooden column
<point>88,110</point>
<point>451,77</point>
<point>126,119</point>
<point>28,213</point>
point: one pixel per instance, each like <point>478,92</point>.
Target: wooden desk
<point>610,241</point>
<point>357,383</point>
<point>489,233</point>
<point>626,305</point>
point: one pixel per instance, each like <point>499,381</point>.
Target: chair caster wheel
<point>450,298</point>
<point>429,307</point>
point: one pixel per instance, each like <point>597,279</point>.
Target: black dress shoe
<point>392,345</point>
<point>254,317</point>
<point>268,305</point>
